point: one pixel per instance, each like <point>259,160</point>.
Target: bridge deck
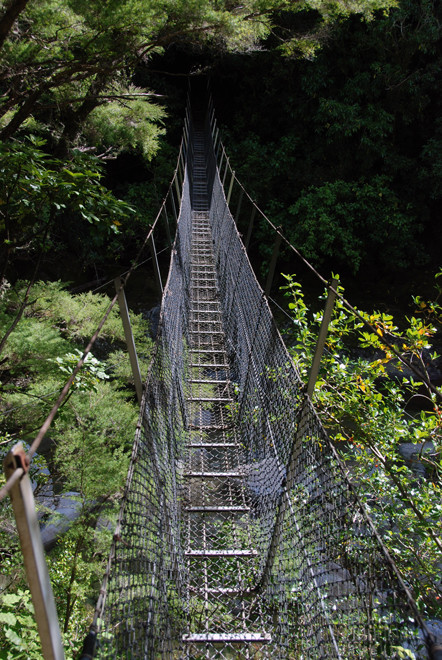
<point>226,618</point>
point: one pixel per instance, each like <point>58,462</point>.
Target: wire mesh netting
<point>240,535</point>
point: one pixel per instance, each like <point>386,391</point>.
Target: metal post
<point>186,133</point>
<point>238,208</point>
<point>156,267</point>
<point>177,186</point>
<point>229,194</point>
<point>166,222</point>
<point>225,171</point>
<point>250,229</point>
<point>221,161</point>
<point>272,266</point>
<point>332,292</point>
<point>124,313</point>
<point>181,166</point>
<point>37,574</point>
<point>173,205</point>
<point>215,140</point>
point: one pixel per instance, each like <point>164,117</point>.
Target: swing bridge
<point>240,534</point>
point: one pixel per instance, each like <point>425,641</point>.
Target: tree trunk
<point>14,9</point>
<point>73,120</point>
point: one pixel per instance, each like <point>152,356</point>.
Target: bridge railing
<point>338,591</point>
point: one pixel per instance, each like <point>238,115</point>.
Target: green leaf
<point>11,599</point>
<point>8,618</point>
<point>12,636</point>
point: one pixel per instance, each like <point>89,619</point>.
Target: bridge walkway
<point>225,614</point>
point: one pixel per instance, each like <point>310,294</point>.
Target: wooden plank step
<point>227,638</point>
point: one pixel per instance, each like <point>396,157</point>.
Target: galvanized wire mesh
<point>240,535</point>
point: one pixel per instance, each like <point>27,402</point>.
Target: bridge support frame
<point>124,312</point>
<point>273,261</point>
<point>320,344</point>
<point>28,528</point>
<point>250,229</point>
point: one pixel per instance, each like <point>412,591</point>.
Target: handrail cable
<point>383,340</point>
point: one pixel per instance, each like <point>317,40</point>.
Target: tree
<point>372,407</point>
<point>91,443</point>
<point>323,135</point>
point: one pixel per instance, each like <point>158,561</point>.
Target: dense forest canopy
<point>331,111</point>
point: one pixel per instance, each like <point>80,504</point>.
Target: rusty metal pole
<point>225,171</point>
<point>23,504</point>
<point>174,209</point>
<point>166,223</point>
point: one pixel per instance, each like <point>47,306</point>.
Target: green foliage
<point>18,632</point>
<point>126,124</point>
<point>42,351</point>
<point>38,191</point>
<point>356,220</point>
<point>329,13</point>
<point>364,399</point>
<point>90,375</point>
<point>91,438</point>
<point>359,119</point>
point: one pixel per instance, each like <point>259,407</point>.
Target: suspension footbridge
<point>240,534</point>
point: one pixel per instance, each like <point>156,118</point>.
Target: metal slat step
<point>221,553</point>
<point>227,638</point>
<point>221,351</point>
<point>213,475</point>
<point>211,427</point>
<point>202,365</point>
<point>217,509</point>
<point>220,591</point>
<point>209,400</point>
<point>211,445</point>
<point>208,382</point>
<point>205,332</point>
